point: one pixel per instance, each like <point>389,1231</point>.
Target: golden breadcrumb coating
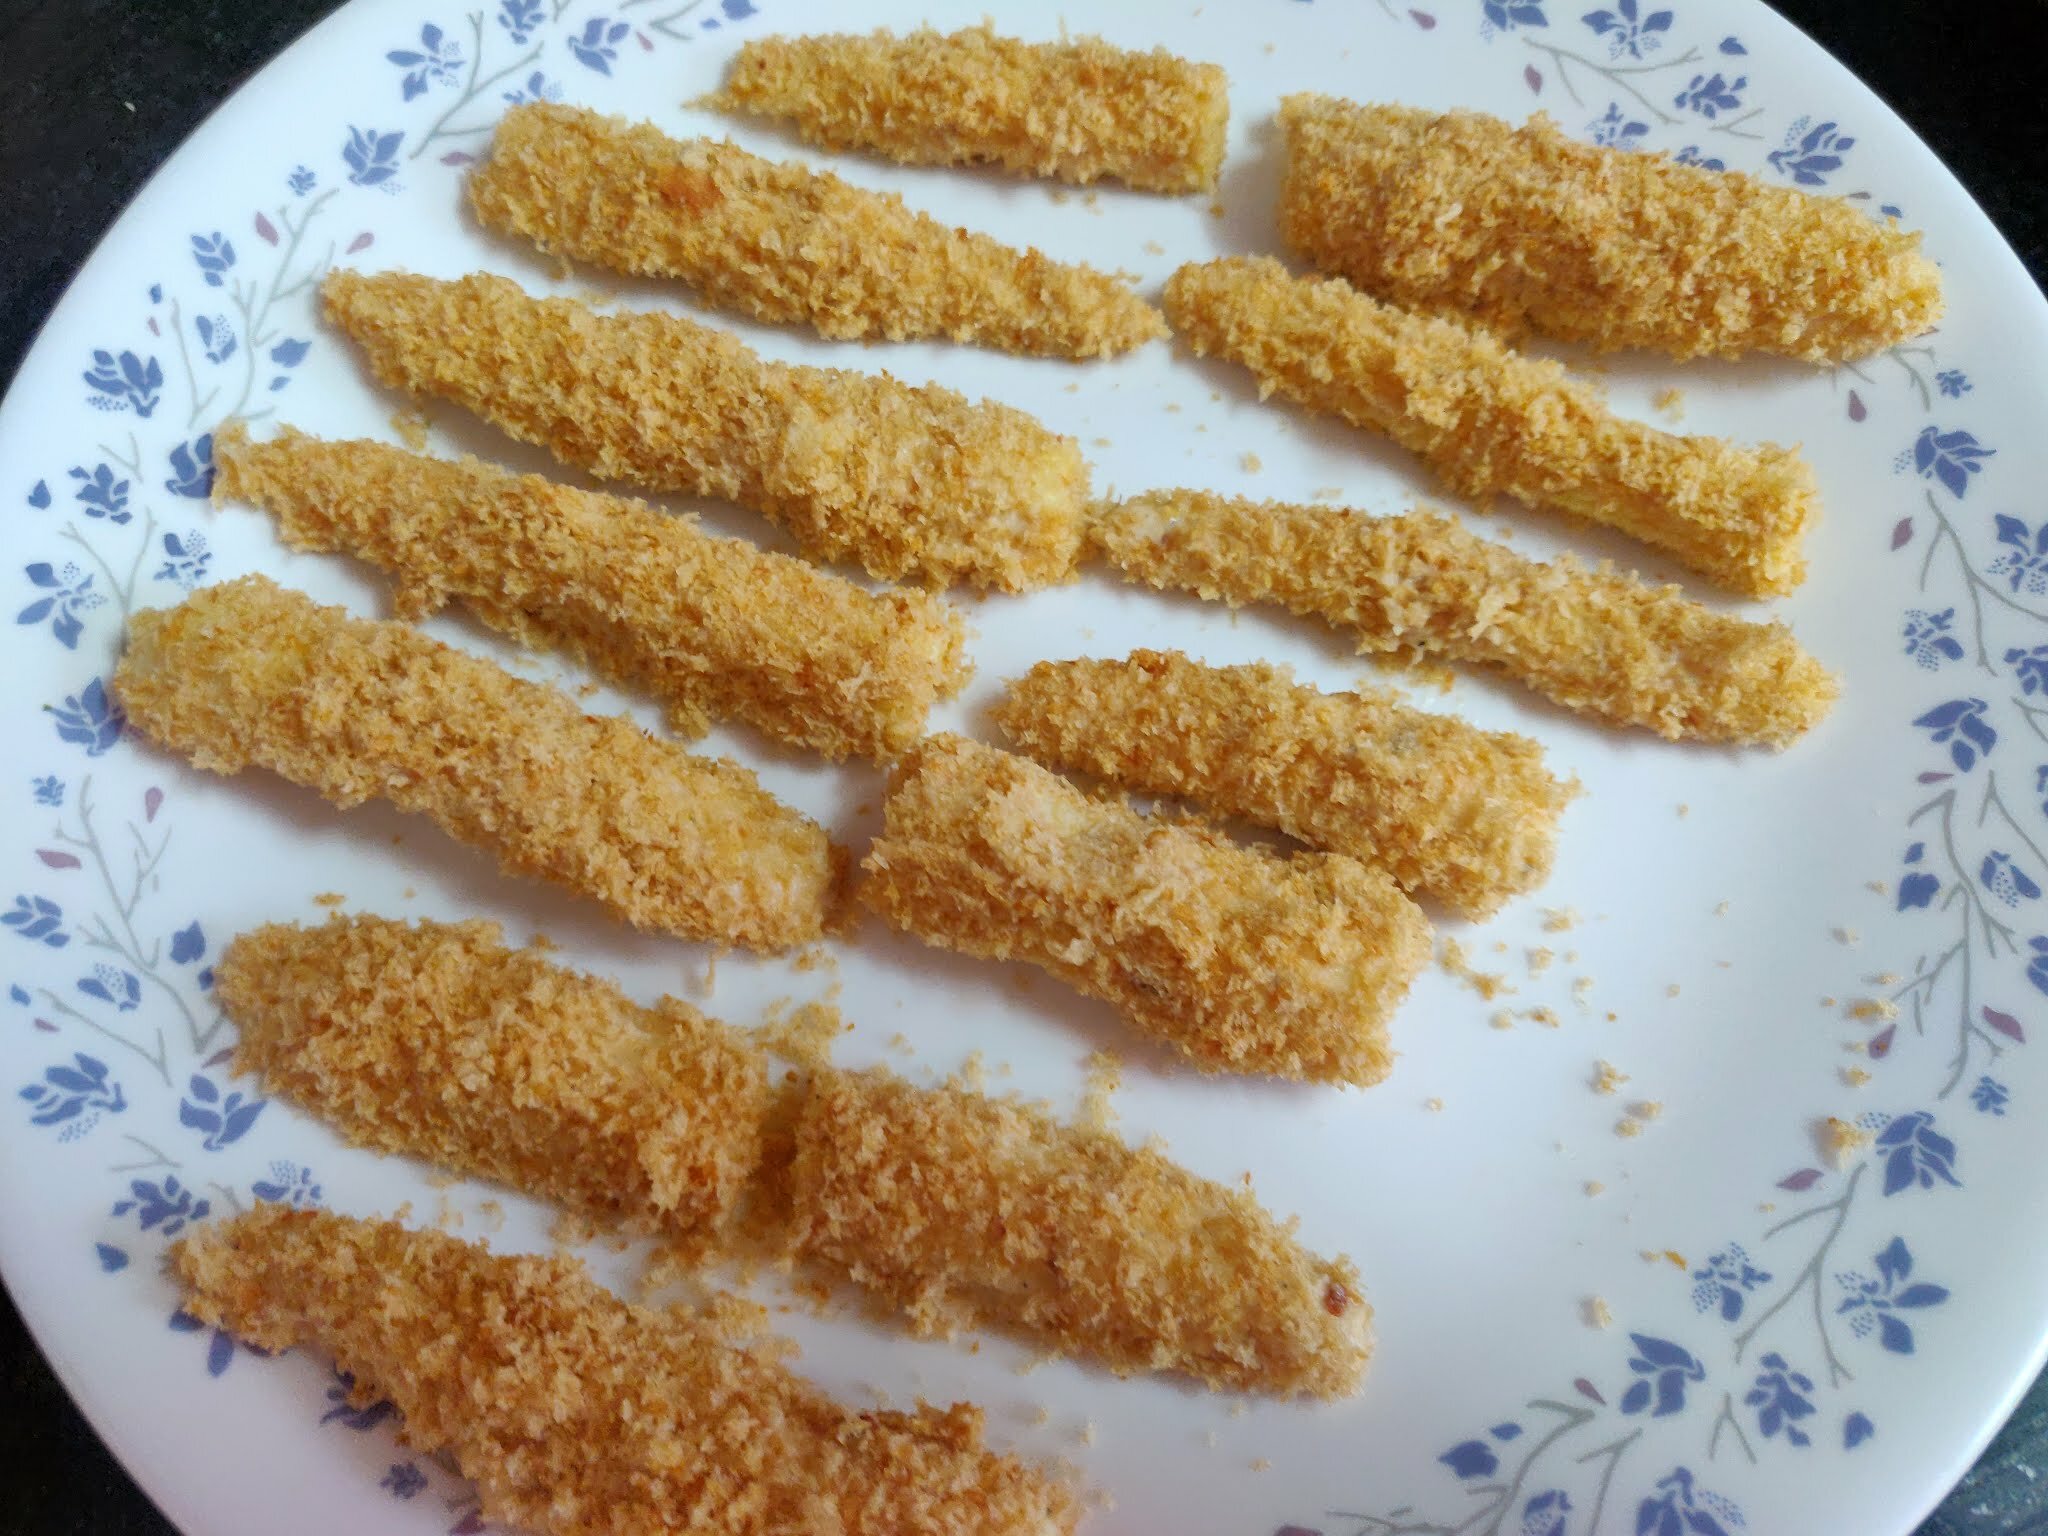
<point>1466,816</point>
<point>1420,584</point>
<point>960,1208</point>
<point>1078,110</point>
<point>1525,228</point>
<point>1491,421</point>
<point>1241,960</point>
<point>782,243</point>
<point>577,1414</point>
<point>711,626</point>
<point>906,481</point>
<point>250,674</point>
<point>438,1041</point>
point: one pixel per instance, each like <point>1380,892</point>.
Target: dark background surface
<point>94,94</point>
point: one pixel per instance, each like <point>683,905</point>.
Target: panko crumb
<point>1501,1018</point>
<point>1847,937</point>
<point>1855,1077</point>
<point>1087,1433</point>
<point>1154,248</point>
<point>1261,1464</point>
<point>1097,1110</point>
<point>1582,992</point>
<point>1877,887</point>
<point>1628,1127</point>
<point>411,423</point>
<point>1841,1141</point>
<point>1872,1009</point>
<point>1539,960</point>
<point>1720,909</point>
<point>1672,990</point>
<point>1647,1109</point>
<point>1251,463</point>
<point>1594,1187</point>
<point>1560,919</point>
<point>1452,960</point>
<point>1607,1078</point>
<point>330,900</point>
<point>805,1034</point>
<point>1669,403</point>
<point>1433,1105</point>
<point>1598,1313</point>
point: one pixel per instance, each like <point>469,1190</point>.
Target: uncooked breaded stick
<point>1491,421</point>
<point>436,1040</point>
<point>1078,110</point>
<point>248,674</point>
<point>907,482</point>
<point>579,1415</point>
<point>1591,640</point>
<point>1466,816</point>
<point>714,627</point>
<point>1525,228</point>
<point>782,243</point>
<point>960,1208</point>
<point>1241,960</point>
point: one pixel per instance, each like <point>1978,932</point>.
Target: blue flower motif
<point>220,1349</point>
<point>188,944</point>
<point>111,984</point>
<point>49,790</point>
<point>2030,665</point>
<point>1928,641</point>
<point>1690,155</point>
<point>1876,1303</point>
<point>214,254</point>
<point>186,558</point>
<point>66,594</point>
<point>2037,966</point>
<point>101,494</point>
<point>192,468</point>
<point>1471,1458</point>
<point>1914,1152</point>
<point>372,157</point>
<point>2006,880</point>
<point>1626,31</point>
<point>1810,152</point>
<point>123,383</point>
<point>1615,131</point>
<point>1990,1096</point>
<point>346,1414</point>
<point>1960,723</point>
<point>1856,1429</point>
<point>1679,1507</point>
<point>39,495</point>
<point>597,47</point>
<point>224,1120</point>
<point>167,1206</point>
<point>2027,561</point>
<point>216,337</point>
<point>737,10</point>
<point>288,1184</point>
<point>1664,1368</point>
<point>74,1096</point>
<point>89,719</point>
<point>1779,1398</point>
<point>301,181</point>
<point>1726,1278</point>
<point>537,88</point>
<point>404,1479</point>
<point>520,18</point>
<point>39,918</point>
<point>1917,889</point>
<point>1951,458</point>
<point>1544,1514</point>
<point>438,58</point>
<point>1953,383</point>
<point>1711,95</point>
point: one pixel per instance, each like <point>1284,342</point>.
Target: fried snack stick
<point>959,1208</point>
<point>1421,584</point>
<point>1241,960</point>
<point>579,1415</point>
<point>1489,420</point>
<point>711,626</point>
<point>782,243</point>
<point>439,1041</point>
<point>1079,111</point>
<point>907,482</point>
<point>1524,228</point>
<point>249,674</point>
<point>1450,811</point>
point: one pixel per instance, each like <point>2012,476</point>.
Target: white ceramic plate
<point>1793,1347</point>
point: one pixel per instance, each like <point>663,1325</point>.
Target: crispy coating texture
<point>1079,110</point>
<point>785,244</point>
<point>959,1208</point>
<point>1466,816</point>
<point>711,626</point>
<point>1524,228</point>
<point>1490,421</point>
<point>438,1041</point>
<point>1593,640</point>
<point>1241,960</point>
<point>250,674</point>
<point>579,1415</point>
<point>908,482</point>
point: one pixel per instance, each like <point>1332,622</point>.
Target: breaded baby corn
<point>436,1040</point>
<point>250,674</point>
<point>907,482</point>
<point>1466,816</point>
<point>579,1415</point>
<point>1078,110</point>
<point>782,243</point>
<point>1526,228</point>
<point>1593,640</point>
<point>713,627</point>
<point>1490,421</point>
<point>960,1208</point>
<point>1241,960</point>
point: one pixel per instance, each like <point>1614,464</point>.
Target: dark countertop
<point>95,93</point>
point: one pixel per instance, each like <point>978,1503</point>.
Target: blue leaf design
<point>219,1353</point>
<point>188,944</point>
<point>112,1259</point>
<point>1636,1398</point>
<point>1893,1333</point>
<point>204,1091</point>
<point>1471,1458</point>
<point>290,353</point>
<point>1856,1429</point>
